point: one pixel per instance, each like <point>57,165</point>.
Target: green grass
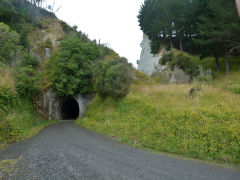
<point>165,119</point>
<point>20,122</point>
<point>8,168</point>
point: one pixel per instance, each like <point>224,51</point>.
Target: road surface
<point>66,152</point>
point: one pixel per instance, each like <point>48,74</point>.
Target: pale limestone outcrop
<point>149,63</point>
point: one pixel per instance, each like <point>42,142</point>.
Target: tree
<point>74,67</point>
<point>114,78</point>
<point>218,29</point>
<point>205,27</point>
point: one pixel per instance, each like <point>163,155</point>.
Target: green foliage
<point>205,78</point>
<point>20,122</point>
<point>73,31</point>
<point>167,57</point>
<point>48,44</point>
<point>114,78</point>
<point>105,51</point>
<point>7,98</point>
<point>25,82</point>
<point>66,28</point>
<point>234,88</point>
<point>74,67</point>
<point>20,15</point>
<point>171,23</point>
<point>206,27</point>
<point>186,64</point>
<point>9,44</point>
<point>29,60</point>
<point>142,78</point>
<point>204,127</point>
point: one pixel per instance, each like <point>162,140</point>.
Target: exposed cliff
<point>149,63</point>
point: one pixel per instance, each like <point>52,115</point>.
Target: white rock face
<point>149,63</point>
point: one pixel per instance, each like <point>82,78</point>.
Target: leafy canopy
<point>74,67</point>
<point>114,78</point>
<point>9,44</point>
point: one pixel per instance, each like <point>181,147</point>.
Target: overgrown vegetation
<point>181,61</point>
<point>74,67</point>
<point>18,71</point>
<point>199,120</point>
<point>204,127</point>
<point>20,15</point>
<point>205,27</point>
<point>82,66</point>
<point>114,78</point>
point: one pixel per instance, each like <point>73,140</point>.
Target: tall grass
<point>6,79</point>
<point>20,122</point>
<point>18,119</point>
<point>165,118</point>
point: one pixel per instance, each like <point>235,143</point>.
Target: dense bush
<point>7,98</point>
<point>20,121</point>
<point>186,64</point>
<point>142,78</point>
<point>29,60</point>
<point>25,82</point>
<point>74,67</point>
<point>114,78</point>
<point>9,41</point>
<point>167,57</point>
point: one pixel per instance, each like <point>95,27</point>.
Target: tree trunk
<point>181,48</point>
<point>171,44</point>
<point>190,49</point>
<point>227,64</point>
<point>217,63</point>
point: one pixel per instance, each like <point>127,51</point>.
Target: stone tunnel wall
<point>49,104</point>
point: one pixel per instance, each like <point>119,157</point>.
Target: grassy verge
<point>20,122</point>
<point>165,119</point>
<point>8,168</point>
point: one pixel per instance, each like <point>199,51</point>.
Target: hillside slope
<point>166,119</point>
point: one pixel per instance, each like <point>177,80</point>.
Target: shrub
<point>6,79</point>
<point>234,88</point>
<point>65,27</point>
<point>29,60</point>
<point>25,82</point>
<point>74,67</point>
<point>8,44</point>
<point>9,130</point>
<point>186,64</point>
<point>7,98</point>
<point>167,57</point>
<point>142,78</point>
<point>114,78</point>
<point>205,78</point>
<point>48,44</point>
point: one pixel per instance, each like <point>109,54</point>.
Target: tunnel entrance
<point>70,109</point>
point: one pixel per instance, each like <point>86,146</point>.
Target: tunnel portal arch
<point>70,109</point>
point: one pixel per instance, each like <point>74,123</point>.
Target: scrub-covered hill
<point>202,123</point>
<point>39,52</point>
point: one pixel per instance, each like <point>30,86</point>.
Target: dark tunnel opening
<point>70,109</point>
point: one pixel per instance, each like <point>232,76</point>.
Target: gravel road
<point>65,152</point>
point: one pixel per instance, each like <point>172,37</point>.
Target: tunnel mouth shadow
<point>69,109</point>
